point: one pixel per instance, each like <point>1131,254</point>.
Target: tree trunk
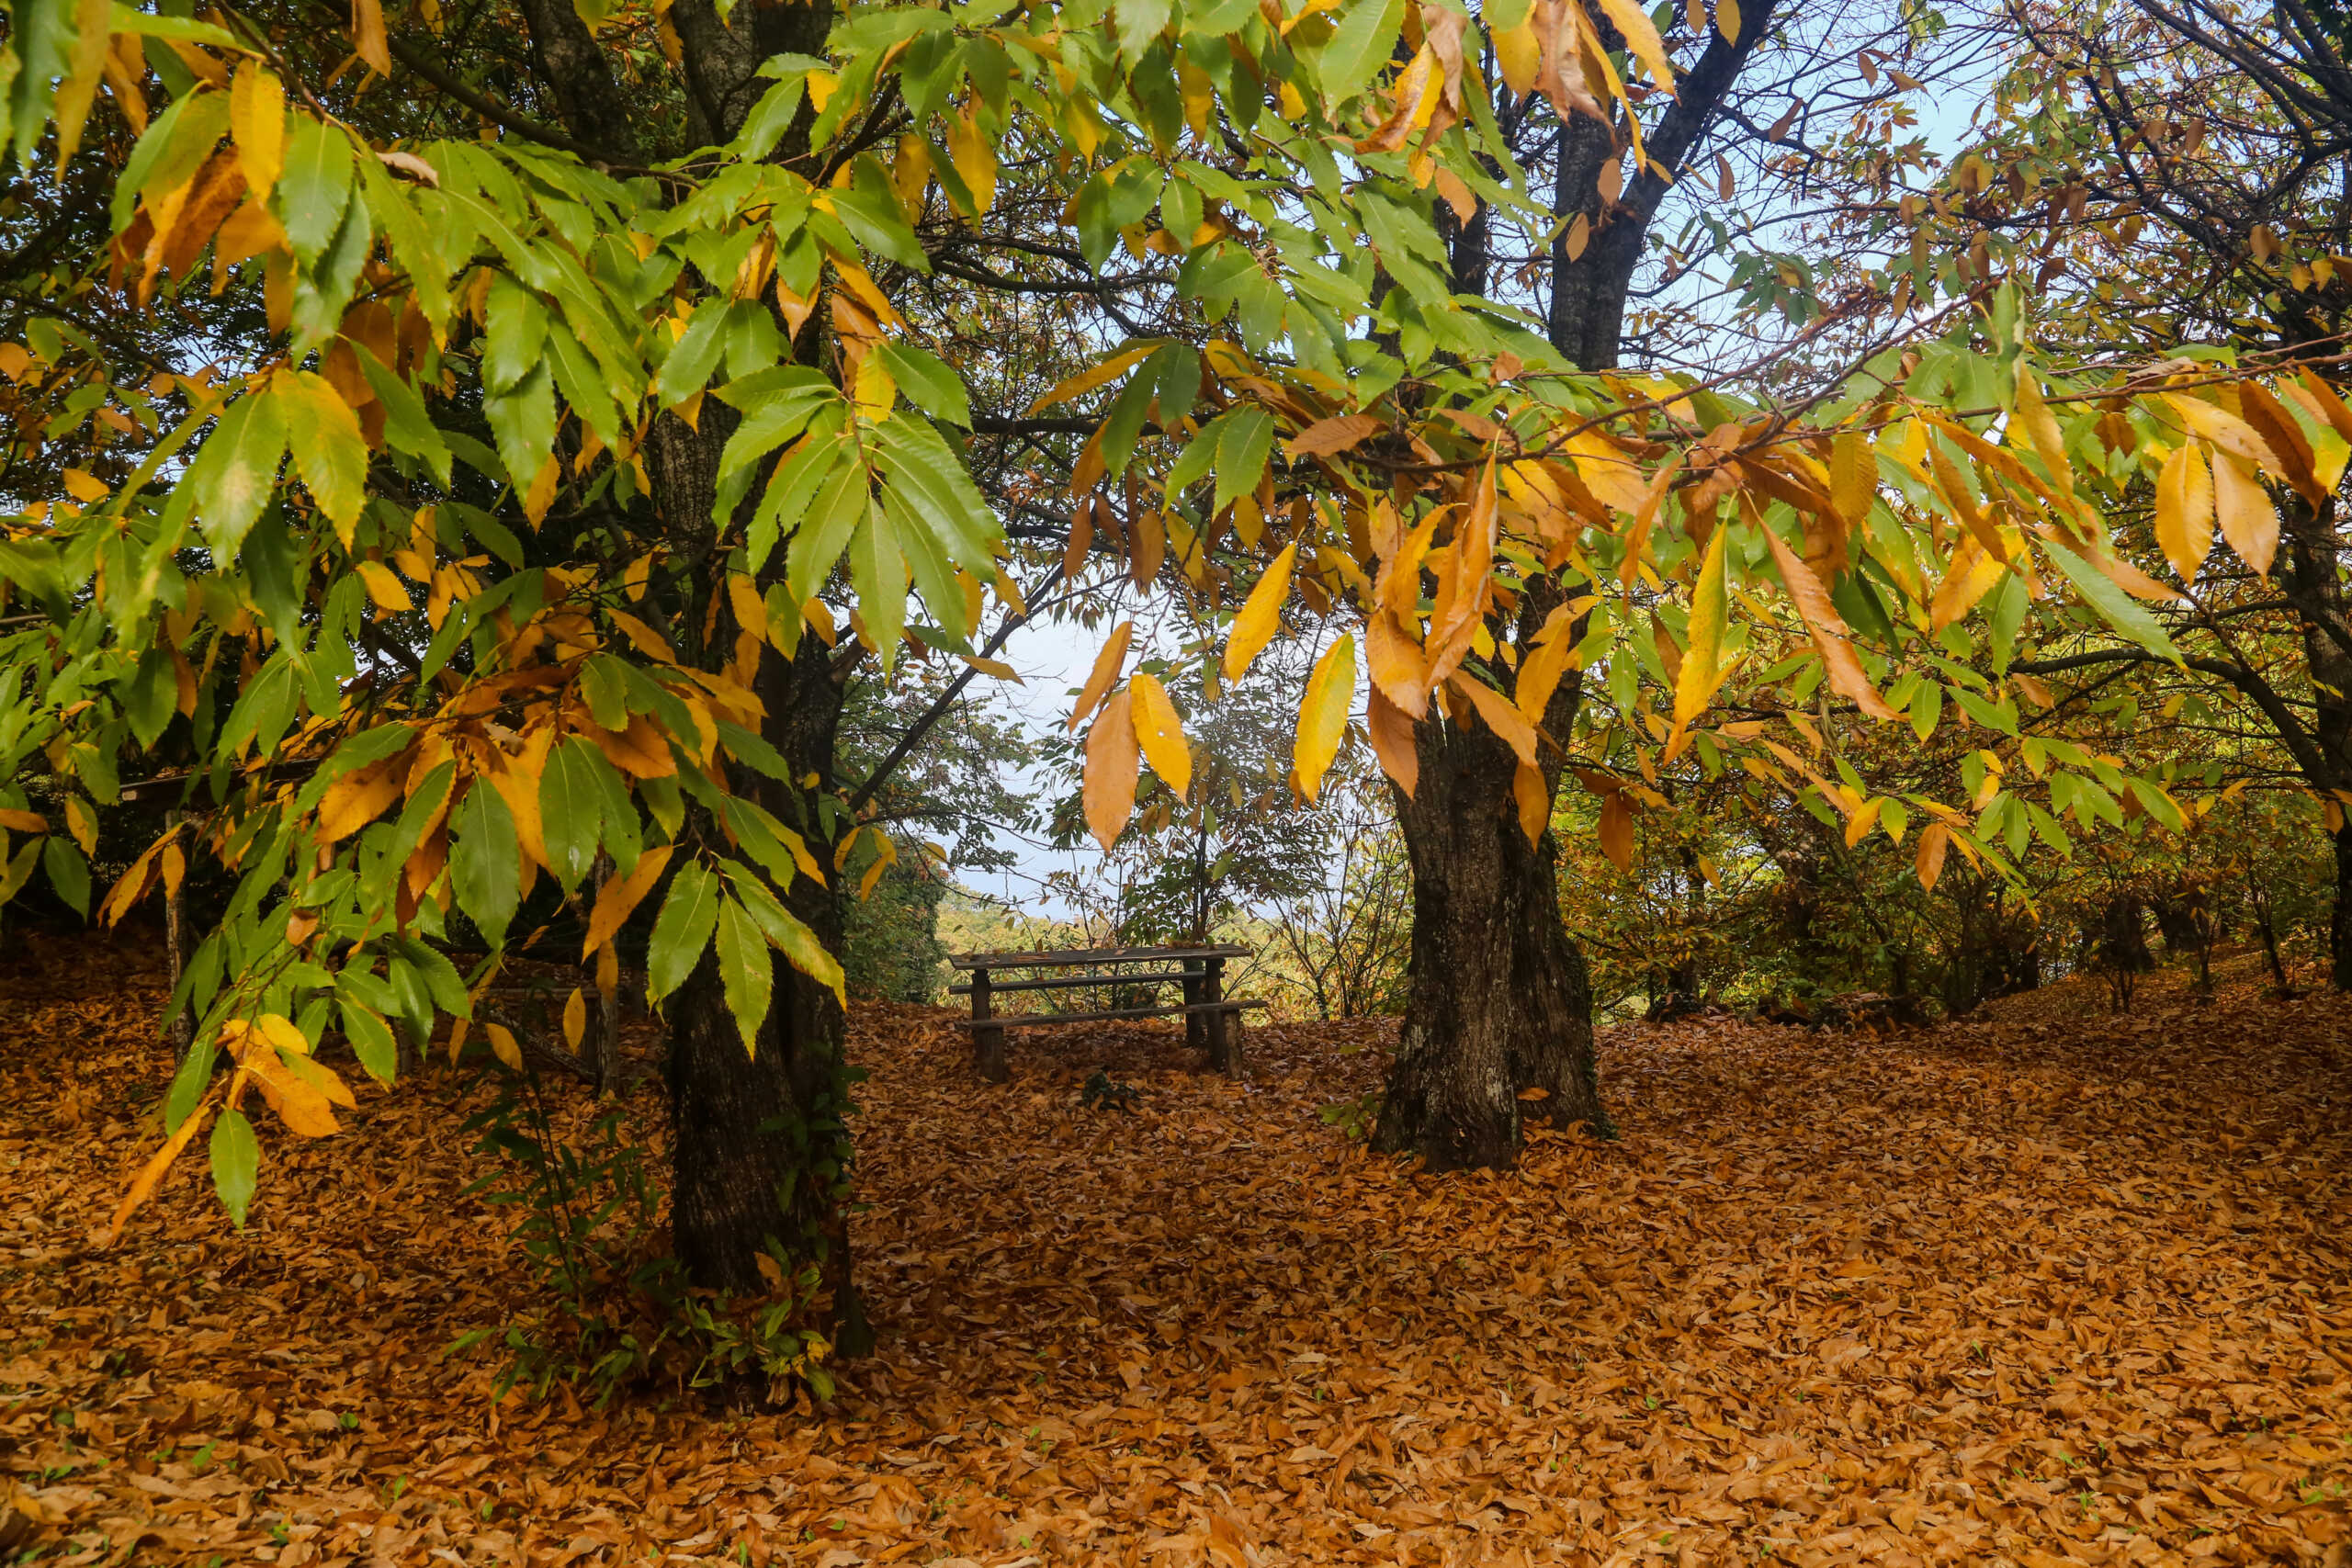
<point>760,1141</point>
<point>760,1149</point>
<point>1497,1000</point>
<point>2340,924</point>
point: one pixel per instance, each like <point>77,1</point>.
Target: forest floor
<point>2050,1287</point>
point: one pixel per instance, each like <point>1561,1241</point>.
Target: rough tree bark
<point>1499,1001</point>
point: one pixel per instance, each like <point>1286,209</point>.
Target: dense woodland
<point>1804,527</point>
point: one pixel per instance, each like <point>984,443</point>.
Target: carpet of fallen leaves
<point>2053,1287</point>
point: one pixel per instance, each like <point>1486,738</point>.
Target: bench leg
<point>1223,1028</point>
<point>1197,1026</point>
<point>988,1039</point>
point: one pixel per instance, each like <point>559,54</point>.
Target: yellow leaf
<point>502,1046</point>
<point>23,821</point>
<point>368,35</point>
<point>359,796</point>
<point>1858,825</point>
<point>575,1018</point>
<point>649,642</point>
<point>298,1104</point>
<point>1535,801</point>
<point>2248,519</point>
<point>1642,40</point>
<point>1113,764</point>
<point>383,586</point>
<point>258,123</point>
<point>1107,664</point>
<point>1161,733</point>
<point>1972,577</point>
<point>2184,511</point>
<point>974,155</point>
<point>2225,430</point>
<point>1260,615</point>
<point>83,823</point>
<point>1323,714</point>
<point>1727,19</point>
<point>621,895</point>
<point>1695,683</point>
<point>2042,429</point>
<point>1521,54</point>
<point>1391,731</point>
<point>1540,672</point>
<point>1087,380</point>
<point>994,667</point>
<point>750,610</point>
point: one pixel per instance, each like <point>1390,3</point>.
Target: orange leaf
<point>1113,763</point>
<point>1502,718</point>
<point>621,895</point>
<point>1338,433</point>
<point>1391,731</point>
<point>1107,664</point>
<point>150,1174</point>
<point>1828,629</point>
<point>1617,829</point>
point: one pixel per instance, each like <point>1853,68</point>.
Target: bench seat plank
<point>1016,1019</point>
<point>1073,957</point>
<point>1056,982</point>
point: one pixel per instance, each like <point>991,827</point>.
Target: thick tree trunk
<point>762,1148</point>
<point>1497,1000</point>
<point>2339,925</point>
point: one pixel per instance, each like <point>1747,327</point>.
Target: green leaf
<point>371,1042</point>
<point>523,423</point>
<point>1362,42</point>
<point>234,472</point>
<point>2114,606</point>
<point>406,423</point>
<point>572,810</point>
<point>150,696</point>
<point>927,382</point>
<point>314,187</point>
<point>1140,22</point>
<point>486,861</point>
<point>236,1164</point>
<point>746,973</point>
<point>689,912</point>
<point>68,874</point>
<point>773,412</point>
<point>329,451</point>
<point>514,335</point>
<point>869,207</point>
<point>1242,446</point>
<point>696,354</point>
<point>877,572</point>
<point>821,535</point>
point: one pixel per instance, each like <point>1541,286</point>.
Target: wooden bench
<point>1210,1021</point>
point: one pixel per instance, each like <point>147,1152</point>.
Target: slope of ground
<point>2052,1288</point>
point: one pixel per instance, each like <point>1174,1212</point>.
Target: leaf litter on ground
<point>2049,1286</point>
